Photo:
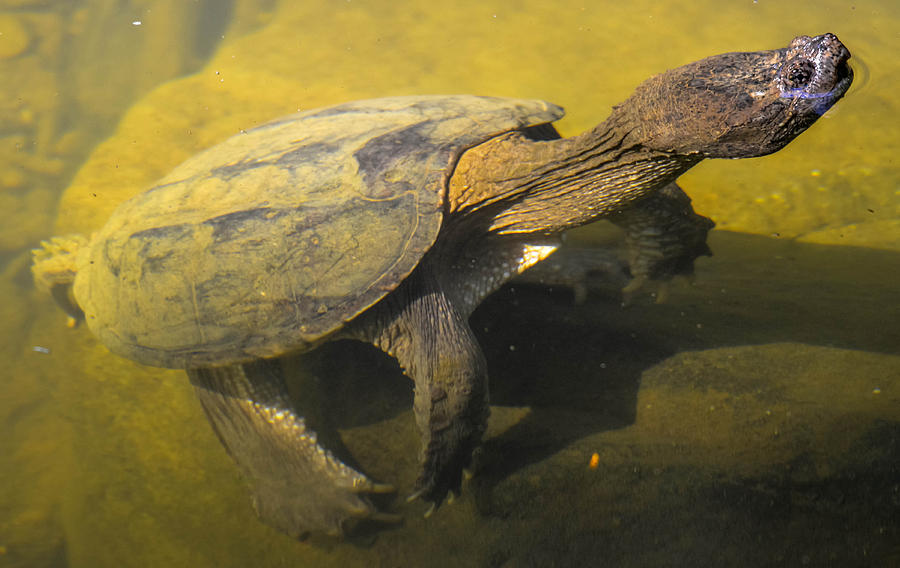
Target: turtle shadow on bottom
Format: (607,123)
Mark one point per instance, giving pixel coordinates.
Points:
(578,368)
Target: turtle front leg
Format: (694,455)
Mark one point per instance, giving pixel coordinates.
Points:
(664,236)
(297,486)
(433,343)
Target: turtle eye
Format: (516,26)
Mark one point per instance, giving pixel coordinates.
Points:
(797,74)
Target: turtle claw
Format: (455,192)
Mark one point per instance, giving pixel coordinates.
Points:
(415,495)
(436,491)
(434,503)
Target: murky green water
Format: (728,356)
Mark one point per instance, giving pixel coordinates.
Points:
(752,420)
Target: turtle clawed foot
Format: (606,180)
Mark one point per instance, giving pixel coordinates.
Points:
(437,488)
(326,505)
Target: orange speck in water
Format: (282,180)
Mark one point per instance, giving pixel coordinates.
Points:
(595,461)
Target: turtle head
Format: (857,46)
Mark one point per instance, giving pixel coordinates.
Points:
(740,105)
(54,269)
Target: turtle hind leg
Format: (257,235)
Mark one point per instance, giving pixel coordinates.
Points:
(297,486)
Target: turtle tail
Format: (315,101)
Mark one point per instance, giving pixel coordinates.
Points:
(54,270)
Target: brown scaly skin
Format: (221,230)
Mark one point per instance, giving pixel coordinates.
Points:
(507,202)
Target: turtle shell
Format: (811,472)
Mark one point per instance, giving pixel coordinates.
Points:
(270,241)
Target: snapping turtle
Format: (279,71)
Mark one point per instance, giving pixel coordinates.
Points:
(388,221)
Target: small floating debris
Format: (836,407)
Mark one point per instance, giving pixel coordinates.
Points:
(40,349)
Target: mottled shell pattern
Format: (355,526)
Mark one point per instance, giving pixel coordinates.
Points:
(270,241)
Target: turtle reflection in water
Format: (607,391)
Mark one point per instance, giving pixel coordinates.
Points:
(388,221)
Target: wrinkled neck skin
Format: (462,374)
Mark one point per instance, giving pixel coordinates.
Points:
(546,187)
(733,105)
(550,186)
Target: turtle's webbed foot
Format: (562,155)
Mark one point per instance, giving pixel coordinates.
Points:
(298,487)
(298,501)
(440,476)
(451,428)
